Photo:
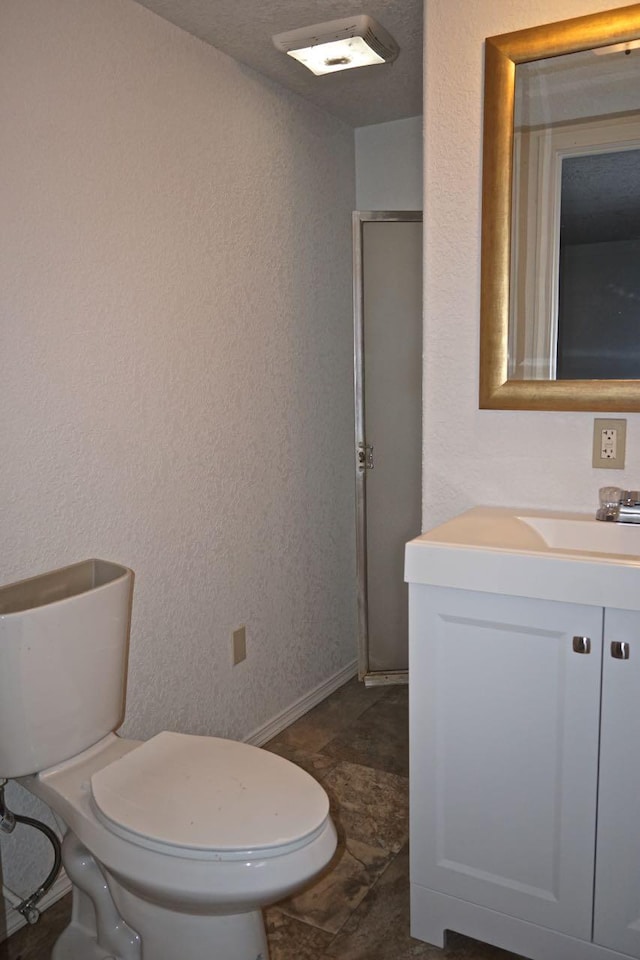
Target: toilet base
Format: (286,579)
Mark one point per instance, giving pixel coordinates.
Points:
(96,931)
(75,943)
(108,922)
(230,938)
(168,934)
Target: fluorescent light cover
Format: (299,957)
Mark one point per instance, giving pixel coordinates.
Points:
(339,44)
(337,55)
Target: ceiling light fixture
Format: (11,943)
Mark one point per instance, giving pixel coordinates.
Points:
(339,44)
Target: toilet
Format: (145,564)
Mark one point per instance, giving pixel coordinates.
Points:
(173,845)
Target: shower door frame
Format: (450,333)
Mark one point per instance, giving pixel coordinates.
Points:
(359,218)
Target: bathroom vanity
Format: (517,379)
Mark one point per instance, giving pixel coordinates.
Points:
(525,733)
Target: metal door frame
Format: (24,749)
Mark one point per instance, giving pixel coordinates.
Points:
(359,218)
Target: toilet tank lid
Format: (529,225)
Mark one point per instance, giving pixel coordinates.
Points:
(207,794)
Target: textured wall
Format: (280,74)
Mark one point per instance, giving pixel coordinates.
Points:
(389,165)
(474,456)
(175,370)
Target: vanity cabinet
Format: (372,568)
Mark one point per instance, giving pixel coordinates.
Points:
(525,773)
(616,916)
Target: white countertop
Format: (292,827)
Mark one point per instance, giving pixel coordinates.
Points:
(546,554)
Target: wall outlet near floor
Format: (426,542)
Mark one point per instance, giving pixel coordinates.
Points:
(609,443)
(239,645)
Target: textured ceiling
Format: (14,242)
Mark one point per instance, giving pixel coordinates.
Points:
(243,29)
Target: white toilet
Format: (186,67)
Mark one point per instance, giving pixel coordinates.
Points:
(173,845)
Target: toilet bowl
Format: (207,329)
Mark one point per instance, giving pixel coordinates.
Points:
(173,845)
(187,832)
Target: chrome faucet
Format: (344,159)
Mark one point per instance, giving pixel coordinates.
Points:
(619,506)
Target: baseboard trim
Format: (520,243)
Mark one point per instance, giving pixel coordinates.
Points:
(382,678)
(14,921)
(282,720)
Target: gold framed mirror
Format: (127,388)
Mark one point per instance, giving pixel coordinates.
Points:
(499,387)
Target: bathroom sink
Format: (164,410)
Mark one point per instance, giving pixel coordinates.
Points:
(549,555)
(587,535)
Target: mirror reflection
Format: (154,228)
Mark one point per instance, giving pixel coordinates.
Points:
(575,242)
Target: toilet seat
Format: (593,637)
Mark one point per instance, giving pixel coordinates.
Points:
(208,798)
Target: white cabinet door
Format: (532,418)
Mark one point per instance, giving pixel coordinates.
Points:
(504,753)
(617,889)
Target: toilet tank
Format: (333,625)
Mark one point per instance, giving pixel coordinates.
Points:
(63,662)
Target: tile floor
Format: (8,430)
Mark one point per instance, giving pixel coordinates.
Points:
(355,744)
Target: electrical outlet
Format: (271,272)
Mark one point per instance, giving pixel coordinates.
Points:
(609,443)
(239,645)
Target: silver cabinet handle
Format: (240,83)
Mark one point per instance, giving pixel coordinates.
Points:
(620,650)
(581,645)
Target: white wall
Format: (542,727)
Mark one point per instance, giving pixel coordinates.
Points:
(175,369)
(389,165)
(474,456)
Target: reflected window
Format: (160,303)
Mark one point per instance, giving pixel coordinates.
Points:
(599,267)
(575,267)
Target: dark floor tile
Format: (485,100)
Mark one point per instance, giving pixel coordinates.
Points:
(36,942)
(329,901)
(317,764)
(329,719)
(291,940)
(369,805)
(397,693)
(379,737)
(379,928)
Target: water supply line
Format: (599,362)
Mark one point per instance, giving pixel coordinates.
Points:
(8,821)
